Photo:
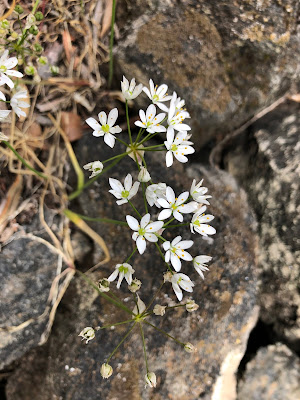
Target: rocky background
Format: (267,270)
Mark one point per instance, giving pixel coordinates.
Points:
(229,60)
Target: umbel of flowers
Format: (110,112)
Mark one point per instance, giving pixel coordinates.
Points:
(167,119)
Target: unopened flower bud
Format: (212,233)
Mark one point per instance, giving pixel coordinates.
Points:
(14,35)
(38,48)
(144,175)
(135,285)
(30,70)
(159,310)
(54,70)
(43,60)
(30,20)
(191,306)
(87,334)
(34,30)
(189,348)
(19,9)
(4,24)
(103,285)
(106,370)
(168,276)
(39,16)
(151,379)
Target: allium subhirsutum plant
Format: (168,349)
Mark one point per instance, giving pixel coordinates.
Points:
(162,206)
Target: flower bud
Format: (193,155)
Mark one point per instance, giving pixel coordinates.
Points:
(159,310)
(19,9)
(144,175)
(168,276)
(135,285)
(34,30)
(103,285)
(39,16)
(191,306)
(150,378)
(54,70)
(43,60)
(30,20)
(106,370)
(4,24)
(30,70)
(14,35)
(87,334)
(95,167)
(38,48)
(189,348)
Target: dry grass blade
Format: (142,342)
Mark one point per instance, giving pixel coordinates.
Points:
(11,202)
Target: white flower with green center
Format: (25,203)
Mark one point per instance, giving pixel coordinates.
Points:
(176,117)
(179,147)
(154,192)
(144,230)
(181,281)
(106,127)
(175,252)
(150,121)
(124,270)
(130,91)
(95,167)
(17,103)
(6,65)
(123,193)
(200,264)
(198,192)
(175,206)
(158,95)
(199,223)
(87,334)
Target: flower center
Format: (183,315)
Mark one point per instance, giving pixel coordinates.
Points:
(123,269)
(197,223)
(155,97)
(141,231)
(179,280)
(174,207)
(105,128)
(3,68)
(174,147)
(125,194)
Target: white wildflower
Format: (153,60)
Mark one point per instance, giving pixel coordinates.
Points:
(191,306)
(139,308)
(155,191)
(175,206)
(123,193)
(135,285)
(130,91)
(17,103)
(158,95)
(190,348)
(159,310)
(95,167)
(198,191)
(106,127)
(178,147)
(181,281)
(144,230)
(87,334)
(106,370)
(150,378)
(175,117)
(124,271)
(144,175)
(199,223)
(175,251)
(199,263)
(103,285)
(179,104)
(150,121)
(6,65)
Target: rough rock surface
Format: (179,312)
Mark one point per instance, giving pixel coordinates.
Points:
(65,368)
(274,374)
(269,168)
(226,58)
(26,273)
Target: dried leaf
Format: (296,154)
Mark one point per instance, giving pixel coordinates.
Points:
(72,125)
(69,49)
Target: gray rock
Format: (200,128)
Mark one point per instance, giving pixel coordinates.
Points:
(66,368)
(267,165)
(227,59)
(274,374)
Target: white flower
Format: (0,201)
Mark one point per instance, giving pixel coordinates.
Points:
(178,147)
(103,285)
(130,91)
(190,348)
(144,175)
(30,20)
(150,378)
(139,308)
(95,167)
(159,310)
(6,65)
(87,334)
(16,102)
(155,191)
(191,306)
(124,271)
(175,206)
(179,104)
(107,128)
(175,251)
(199,223)
(200,264)
(4,115)
(181,281)
(3,137)
(144,230)
(106,370)
(198,192)
(150,121)
(176,117)
(123,193)
(158,95)
(135,285)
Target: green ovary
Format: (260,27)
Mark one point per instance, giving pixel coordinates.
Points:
(174,147)
(3,68)
(155,97)
(105,128)
(141,232)
(125,194)
(123,269)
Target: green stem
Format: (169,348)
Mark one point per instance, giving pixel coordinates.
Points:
(138,136)
(166,334)
(124,338)
(167,223)
(175,226)
(111,42)
(122,141)
(134,250)
(128,122)
(163,257)
(154,297)
(40,174)
(36,4)
(161,238)
(153,147)
(144,347)
(144,195)
(117,323)
(136,211)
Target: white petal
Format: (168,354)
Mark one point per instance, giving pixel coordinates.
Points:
(102,117)
(182,198)
(134,190)
(132,222)
(150,113)
(145,220)
(141,244)
(113,276)
(120,202)
(178,216)
(180,157)
(115,129)
(188,208)
(167,256)
(154,226)
(169,158)
(116,185)
(151,237)
(177,291)
(164,203)
(166,245)
(176,240)
(175,261)
(186,244)
(112,117)
(170,134)
(128,182)
(109,139)
(170,195)
(164,214)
